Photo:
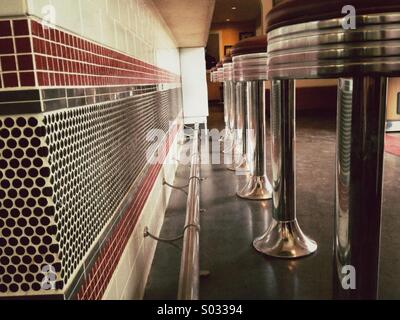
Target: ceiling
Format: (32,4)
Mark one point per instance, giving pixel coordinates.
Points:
(246,10)
(188,20)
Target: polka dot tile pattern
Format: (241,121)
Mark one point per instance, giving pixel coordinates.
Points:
(63,175)
(27,212)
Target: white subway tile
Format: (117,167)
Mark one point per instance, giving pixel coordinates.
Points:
(12,8)
(131,26)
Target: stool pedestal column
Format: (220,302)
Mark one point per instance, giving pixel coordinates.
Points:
(284,238)
(233,126)
(359,175)
(228,136)
(241,103)
(258,186)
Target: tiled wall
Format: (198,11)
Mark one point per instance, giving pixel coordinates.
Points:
(31,53)
(76,103)
(130,26)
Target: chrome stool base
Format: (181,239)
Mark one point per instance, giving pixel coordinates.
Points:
(227,143)
(237,158)
(285,240)
(243,165)
(257,188)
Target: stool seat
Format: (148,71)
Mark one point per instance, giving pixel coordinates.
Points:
(250,45)
(227,59)
(292,12)
(250,59)
(228,68)
(213,74)
(306,39)
(219,73)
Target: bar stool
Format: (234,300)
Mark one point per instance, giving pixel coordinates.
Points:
(230,95)
(212,75)
(249,72)
(312,40)
(219,77)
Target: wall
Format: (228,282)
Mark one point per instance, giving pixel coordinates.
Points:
(266,6)
(393,90)
(77,102)
(13,8)
(130,26)
(229,36)
(229,33)
(194,85)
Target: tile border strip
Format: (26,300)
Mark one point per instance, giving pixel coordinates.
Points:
(33,54)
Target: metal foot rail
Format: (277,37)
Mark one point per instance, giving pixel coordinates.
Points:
(190,271)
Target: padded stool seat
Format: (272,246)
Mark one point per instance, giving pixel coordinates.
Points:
(292,12)
(219,72)
(250,45)
(250,59)
(306,39)
(228,68)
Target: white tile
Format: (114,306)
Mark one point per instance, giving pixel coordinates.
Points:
(37,7)
(67,14)
(134,288)
(122,273)
(12,8)
(111,292)
(108,30)
(91,20)
(131,26)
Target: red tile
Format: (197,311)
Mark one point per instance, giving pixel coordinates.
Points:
(38,46)
(6,46)
(53,34)
(63,79)
(43,79)
(34,27)
(50,62)
(65,51)
(47,46)
(27,79)
(8,63)
(58,79)
(5,29)
(53,49)
(25,62)
(23,45)
(41,63)
(46,33)
(21,27)
(70,66)
(52,79)
(111,68)
(10,80)
(58,37)
(63,36)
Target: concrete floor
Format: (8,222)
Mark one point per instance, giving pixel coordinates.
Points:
(230,224)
